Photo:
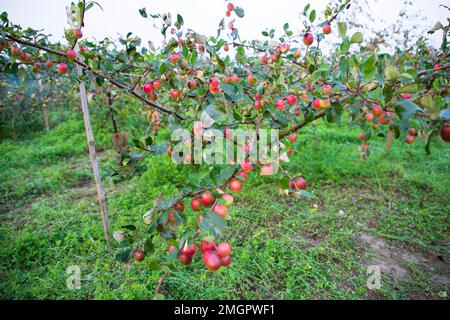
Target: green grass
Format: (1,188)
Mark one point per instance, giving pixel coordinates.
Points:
(284,248)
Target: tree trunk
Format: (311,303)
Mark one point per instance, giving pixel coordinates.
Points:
(45,111)
(44,107)
(390,134)
(91,146)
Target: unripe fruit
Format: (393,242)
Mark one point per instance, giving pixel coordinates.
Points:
(297,54)
(228,199)
(221,210)
(62,68)
(148,88)
(78,34)
(192,85)
(139,255)
(409,139)
(383,120)
(214,82)
(445,132)
(246,166)
(308,39)
(195,204)
(156,85)
(211,261)
(225,47)
(280,104)
(405,96)
(223,249)
(175,94)
(214,90)
(235,185)
(225,261)
(174,58)
(377,111)
(298,183)
(267,170)
(275,57)
(189,251)
(243,174)
(234,78)
(326,29)
(412,132)
(207,199)
(48,64)
(327,89)
(207,246)
(293,137)
(15,51)
(324,103)
(185,259)
(251,79)
(290,99)
(71,54)
(316,104)
(179,206)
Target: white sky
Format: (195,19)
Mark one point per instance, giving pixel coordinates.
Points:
(203,16)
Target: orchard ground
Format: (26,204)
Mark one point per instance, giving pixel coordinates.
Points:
(391,210)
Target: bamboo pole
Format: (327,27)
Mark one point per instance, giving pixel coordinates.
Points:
(91,145)
(92,154)
(44,107)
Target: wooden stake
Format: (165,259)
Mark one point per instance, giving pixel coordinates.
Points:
(44,107)
(390,134)
(93,155)
(91,145)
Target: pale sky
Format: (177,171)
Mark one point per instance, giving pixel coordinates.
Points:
(203,16)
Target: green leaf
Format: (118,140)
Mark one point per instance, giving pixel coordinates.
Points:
(148,246)
(143,12)
(410,88)
(342,28)
(445,114)
(368,68)
(356,38)
(312,16)
(213,223)
(124,255)
(306,194)
(406,108)
(239,12)
(345,46)
(179,22)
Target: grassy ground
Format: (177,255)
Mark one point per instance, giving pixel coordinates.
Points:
(391,210)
